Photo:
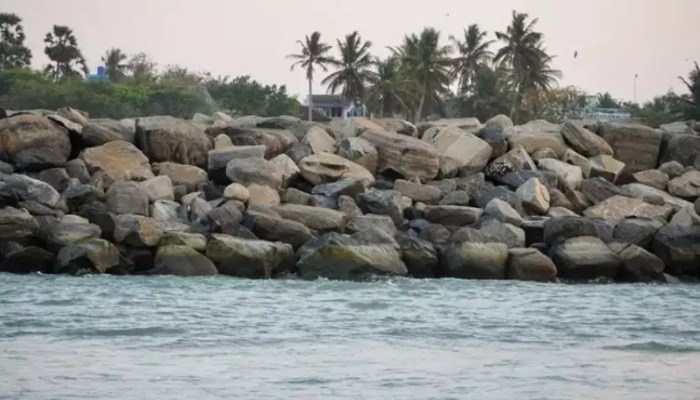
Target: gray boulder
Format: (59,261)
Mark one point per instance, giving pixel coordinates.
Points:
(420,257)
(30,189)
(452,215)
(530,265)
(638,265)
(636,146)
(94,256)
(359,151)
(679,249)
(637,231)
(247,171)
(181,261)
(164,138)
(28,260)
(255,259)
(383,202)
(318,219)
(33,143)
(475,261)
(275,229)
(418,192)
(683,149)
(219,159)
(585,258)
(584,141)
(16,224)
(127,198)
(56,177)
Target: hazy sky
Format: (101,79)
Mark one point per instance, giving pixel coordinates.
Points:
(656,39)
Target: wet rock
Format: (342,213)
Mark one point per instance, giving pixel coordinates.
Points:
(182,261)
(127,198)
(636,146)
(33,143)
(94,256)
(247,171)
(255,259)
(318,219)
(584,141)
(28,260)
(418,192)
(407,156)
(637,231)
(585,258)
(119,160)
(164,138)
(188,175)
(420,257)
(530,265)
(638,265)
(383,202)
(218,160)
(534,196)
(679,249)
(452,215)
(618,208)
(606,167)
(475,261)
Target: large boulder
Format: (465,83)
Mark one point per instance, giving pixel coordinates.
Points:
(255,259)
(637,231)
(99,131)
(79,195)
(683,149)
(410,157)
(56,177)
(219,159)
(158,188)
(120,160)
(369,222)
(181,261)
(469,124)
(31,142)
(397,125)
(452,215)
(475,260)
(94,256)
(534,196)
(651,177)
(247,171)
(187,175)
(570,176)
(503,212)
(599,189)
(537,135)
(275,229)
(562,228)
(530,265)
(359,151)
(327,167)
(274,141)
(641,192)
(29,189)
(16,224)
(165,210)
(686,185)
(139,231)
(164,138)
(28,260)
(70,230)
(606,167)
(316,218)
(636,146)
(319,140)
(679,249)
(287,167)
(618,208)
(574,158)
(383,202)
(420,256)
(585,258)
(335,256)
(418,192)
(127,198)
(499,121)
(195,241)
(262,195)
(461,151)
(584,141)
(638,265)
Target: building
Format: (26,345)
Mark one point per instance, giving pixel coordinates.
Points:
(101,75)
(333,107)
(592,111)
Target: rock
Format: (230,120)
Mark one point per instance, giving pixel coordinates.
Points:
(686,185)
(496,138)
(335,256)
(28,260)
(536,135)
(407,156)
(56,177)
(119,160)
(446,186)
(570,176)
(71,230)
(677,128)
(517,178)
(641,191)
(255,259)
(29,189)
(158,188)
(534,196)
(475,261)
(683,149)
(290,171)
(326,167)
(218,160)
(618,208)
(502,211)
(515,160)
(396,125)
(472,183)
(637,231)
(383,202)
(6,168)
(99,131)
(456,198)
(360,152)
(469,125)
(37,209)
(671,168)
(165,210)
(127,198)
(638,265)
(558,199)
(679,249)
(318,219)
(349,207)
(195,241)
(164,138)
(492,231)
(33,143)
(418,192)
(636,146)
(558,229)
(319,140)
(544,153)
(236,191)
(263,195)
(247,171)
(585,258)
(578,201)
(556,212)
(282,230)
(499,121)
(452,215)
(139,231)
(697,206)
(482,197)
(181,261)
(298,151)
(460,150)
(199,210)
(686,217)
(651,177)
(530,265)
(599,189)
(225,214)
(606,167)
(370,221)
(332,191)
(584,141)
(573,158)
(73,115)
(296,196)
(94,256)
(188,175)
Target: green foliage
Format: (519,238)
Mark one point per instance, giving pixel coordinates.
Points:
(353,72)
(13,52)
(660,110)
(67,61)
(115,64)
(691,101)
(392,91)
(605,100)
(490,95)
(245,96)
(473,54)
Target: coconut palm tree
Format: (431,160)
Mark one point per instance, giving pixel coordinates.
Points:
(62,49)
(428,63)
(13,52)
(692,109)
(354,71)
(473,52)
(525,56)
(314,53)
(392,91)
(115,64)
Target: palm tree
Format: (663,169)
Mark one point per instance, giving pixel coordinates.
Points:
(692,109)
(313,54)
(353,66)
(391,91)
(427,62)
(115,64)
(473,52)
(526,57)
(13,52)
(62,49)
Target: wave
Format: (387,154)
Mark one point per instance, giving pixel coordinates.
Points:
(136,332)
(655,347)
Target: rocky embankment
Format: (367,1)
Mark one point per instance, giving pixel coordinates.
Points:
(261,197)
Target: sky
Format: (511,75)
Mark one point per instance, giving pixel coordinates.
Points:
(615,39)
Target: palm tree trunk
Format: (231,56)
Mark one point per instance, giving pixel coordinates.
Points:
(311,103)
(421,103)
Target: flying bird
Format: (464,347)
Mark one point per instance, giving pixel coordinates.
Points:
(575,54)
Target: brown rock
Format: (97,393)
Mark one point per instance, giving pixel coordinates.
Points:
(584,141)
(164,138)
(32,142)
(326,167)
(120,160)
(636,146)
(618,208)
(188,175)
(408,156)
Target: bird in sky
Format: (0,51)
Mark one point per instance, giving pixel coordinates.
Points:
(575,54)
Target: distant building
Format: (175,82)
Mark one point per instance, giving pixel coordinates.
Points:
(101,75)
(592,111)
(333,107)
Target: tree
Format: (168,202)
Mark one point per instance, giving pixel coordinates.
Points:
(692,100)
(353,69)
(178,75)
(115,64)
(427,62)
(62,49)
(143,69)
(13,52)
(243,95)
(314,53)
(392,91)
(605,100)
(473,53)
(527,59)
(490,94)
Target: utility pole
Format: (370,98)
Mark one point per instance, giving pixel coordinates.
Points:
(635,88)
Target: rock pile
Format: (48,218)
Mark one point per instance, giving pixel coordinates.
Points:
(262,197)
